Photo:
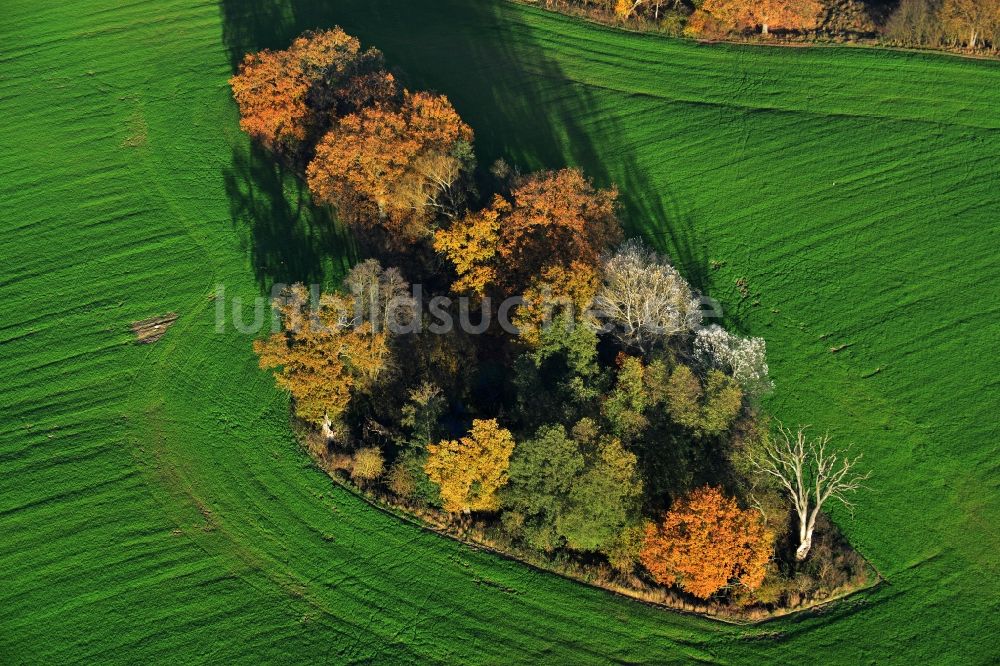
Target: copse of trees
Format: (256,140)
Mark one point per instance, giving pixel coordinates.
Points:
(961,24)
(607,429)
(288,98)
(731,16)
(972,24)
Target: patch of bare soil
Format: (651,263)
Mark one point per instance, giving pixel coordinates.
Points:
(150,330)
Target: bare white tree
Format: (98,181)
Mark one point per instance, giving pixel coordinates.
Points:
(811,474)
(381,296)
(744,359)
(643,298)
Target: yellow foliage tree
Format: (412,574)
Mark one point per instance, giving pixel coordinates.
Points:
(471,246)
(558,291)
(367,465)
(321,357)
(471,470)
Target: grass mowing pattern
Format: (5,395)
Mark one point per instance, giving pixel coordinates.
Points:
(152,502)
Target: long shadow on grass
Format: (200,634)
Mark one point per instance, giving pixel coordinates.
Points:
(288,239)
(505,84)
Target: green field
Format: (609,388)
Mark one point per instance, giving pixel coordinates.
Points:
(153,504)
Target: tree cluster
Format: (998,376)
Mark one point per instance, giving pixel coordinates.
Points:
(972,24)
(962,24)
(608,426)
(387,159)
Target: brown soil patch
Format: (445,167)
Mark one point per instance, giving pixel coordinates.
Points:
(151,330)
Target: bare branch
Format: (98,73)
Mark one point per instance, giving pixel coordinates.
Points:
(811,473)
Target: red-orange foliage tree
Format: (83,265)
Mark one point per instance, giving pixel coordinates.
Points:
(707,542)
(555,218)
(392,167)
(287,97)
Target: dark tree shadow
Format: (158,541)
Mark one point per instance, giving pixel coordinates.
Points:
(287,238)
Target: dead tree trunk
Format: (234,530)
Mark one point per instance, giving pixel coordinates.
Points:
(810,475)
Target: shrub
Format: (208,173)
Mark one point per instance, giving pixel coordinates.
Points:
(424,491)
(368,464)
(623,554)
(401,482)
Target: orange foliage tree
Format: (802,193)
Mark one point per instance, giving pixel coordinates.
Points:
(322,356)
(706,542)
(471,470)
(286,97)
(558,217)
(555,218)
(393,167)
(765,14)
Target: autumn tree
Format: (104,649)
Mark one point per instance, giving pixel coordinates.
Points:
(471,244)
(367,465)
(323,356)
(705,543)
(765,14)
(553,218)
(470,470)
(971,21)
(810,473)
(559,291)
(643,299)
(288,97)
(625,9)
(408,478)
(557,218)
(395,168)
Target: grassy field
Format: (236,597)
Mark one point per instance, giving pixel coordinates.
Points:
(153,505)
